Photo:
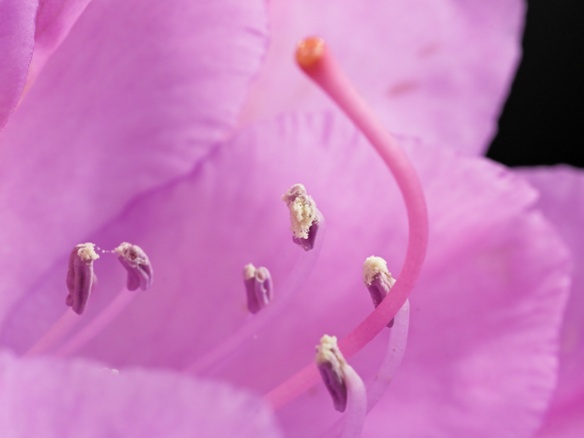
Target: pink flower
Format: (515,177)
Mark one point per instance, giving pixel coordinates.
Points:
(127,134)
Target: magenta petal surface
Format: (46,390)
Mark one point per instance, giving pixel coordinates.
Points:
(485,314)
(561,199)
(46,399)
(439,70)
(135,96)
(53,22)
(16,47)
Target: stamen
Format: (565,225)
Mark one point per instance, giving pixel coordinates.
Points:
(317,62)
(396,348)
(253,327)
(96,325)
(136,262)
(330,363)
(356,404)
(390,364)
(344,384)
(80,276)
(258,286)
(378,280)
(140,274)
(80,280)
(304,216)
(55,334)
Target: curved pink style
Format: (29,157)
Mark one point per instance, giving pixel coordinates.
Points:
(315,59)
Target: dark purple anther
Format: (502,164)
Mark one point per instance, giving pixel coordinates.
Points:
(80,276)
(136,262)
(330,363)
(378,280)
(304,216)
(258,286)
(308,243)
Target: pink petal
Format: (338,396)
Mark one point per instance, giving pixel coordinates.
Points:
(135,96)
(561,199)
(488,348)
(485,315)
(44,398)
(16,46)
(54,20)
(439,70)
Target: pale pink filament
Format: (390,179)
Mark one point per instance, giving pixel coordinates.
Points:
(394,354)
(356,411)
(96,325)
(317,62)
(55,334)
(396,348)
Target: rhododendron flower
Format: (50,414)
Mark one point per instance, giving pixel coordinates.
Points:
(130,138)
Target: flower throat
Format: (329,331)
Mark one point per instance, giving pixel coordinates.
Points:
(308,225)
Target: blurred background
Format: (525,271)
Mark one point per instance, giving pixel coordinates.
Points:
(543,120)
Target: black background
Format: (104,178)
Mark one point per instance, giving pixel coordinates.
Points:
(543,119)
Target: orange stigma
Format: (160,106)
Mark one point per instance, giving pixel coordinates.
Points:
(309,51)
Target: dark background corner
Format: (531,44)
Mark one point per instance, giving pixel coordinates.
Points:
(543,119)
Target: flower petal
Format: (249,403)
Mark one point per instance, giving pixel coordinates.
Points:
(16,46)
(485,345)
(43,398)
(54,20)
(439,70)
(485,314)
(135,96)
(561,199)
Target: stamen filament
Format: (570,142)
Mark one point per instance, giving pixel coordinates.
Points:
(96,325)
(393,357)
(396,348)
(356,404)
(254,325)
(318,63)
(55,334)
(345,387)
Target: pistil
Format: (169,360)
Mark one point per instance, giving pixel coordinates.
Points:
(318,63)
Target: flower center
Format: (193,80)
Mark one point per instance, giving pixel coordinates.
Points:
(307,222)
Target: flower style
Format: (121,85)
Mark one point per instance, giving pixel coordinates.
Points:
(145,152)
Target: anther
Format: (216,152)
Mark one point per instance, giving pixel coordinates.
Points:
(331,363)
(378,280)
(136,262)
(258,286)
(80,276)
(304,216)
